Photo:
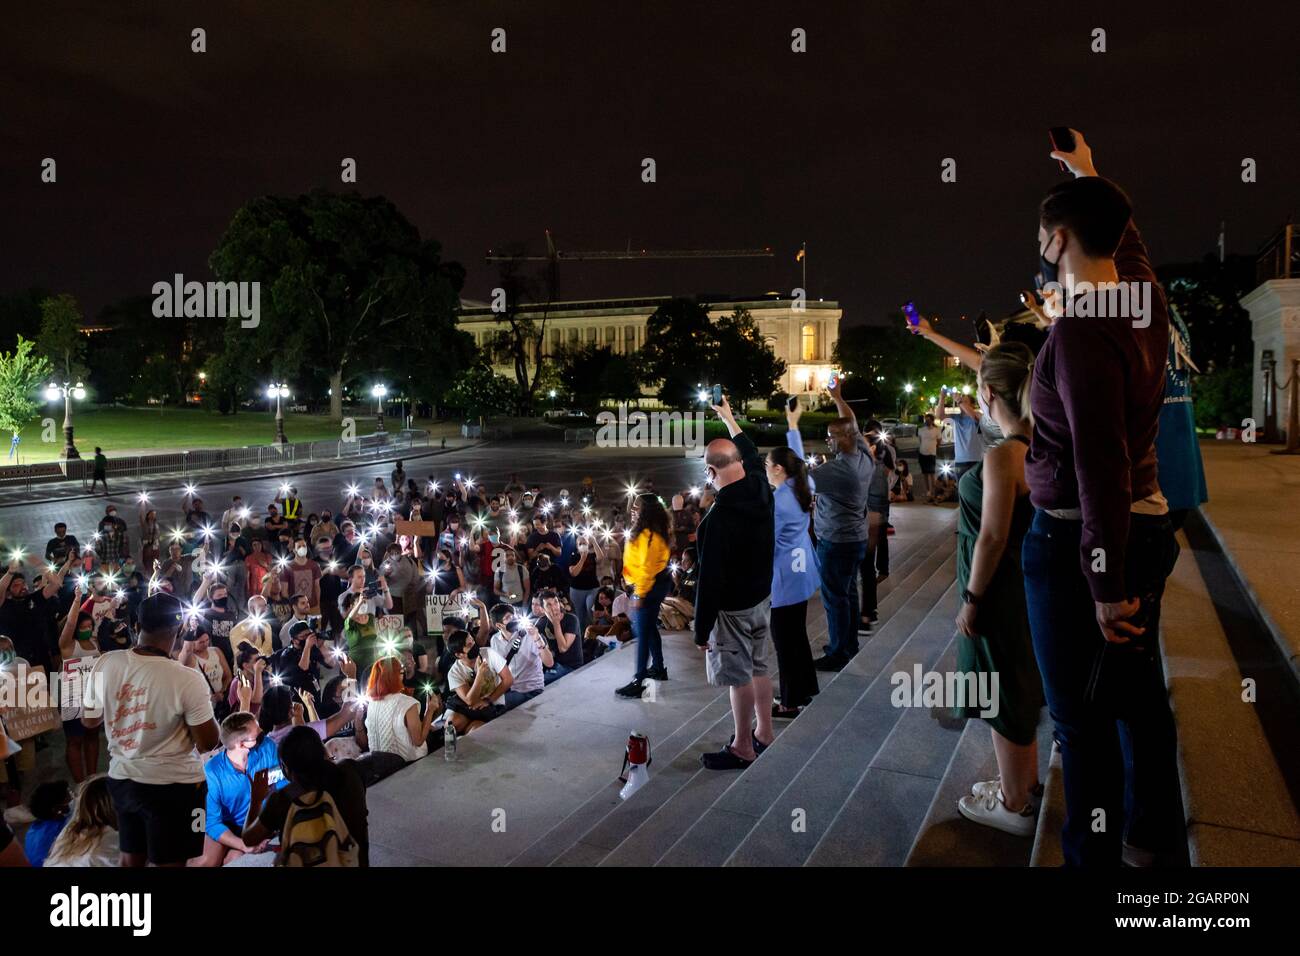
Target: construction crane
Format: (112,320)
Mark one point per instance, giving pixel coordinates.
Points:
(555,256)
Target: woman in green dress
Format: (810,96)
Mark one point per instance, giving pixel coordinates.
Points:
(994,643)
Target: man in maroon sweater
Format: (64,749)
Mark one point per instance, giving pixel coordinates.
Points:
(1101,546)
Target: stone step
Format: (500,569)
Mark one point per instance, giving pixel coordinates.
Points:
(876,737)
(1051,816)
(664,755)
(717,834)
(946,838)
(631,832)
(1237,759)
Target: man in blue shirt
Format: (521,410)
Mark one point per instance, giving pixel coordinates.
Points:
(244,754)
(968,442)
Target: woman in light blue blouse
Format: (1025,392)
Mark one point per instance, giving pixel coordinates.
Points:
(794,571)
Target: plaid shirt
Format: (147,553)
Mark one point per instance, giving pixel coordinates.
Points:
(113,546)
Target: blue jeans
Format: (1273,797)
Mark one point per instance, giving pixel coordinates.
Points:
(838,565)
(1108,702)
(645,627)
(582,599)
(513,698)
(554,673)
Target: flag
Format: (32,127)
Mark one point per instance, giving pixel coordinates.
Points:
(798,256)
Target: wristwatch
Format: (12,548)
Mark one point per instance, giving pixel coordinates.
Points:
(970,598)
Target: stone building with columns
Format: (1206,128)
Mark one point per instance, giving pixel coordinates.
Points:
(1274,307)
(801,334)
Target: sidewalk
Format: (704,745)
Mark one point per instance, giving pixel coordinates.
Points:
(76,488)
(1254,511)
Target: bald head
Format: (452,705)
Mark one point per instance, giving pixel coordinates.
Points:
(722,459)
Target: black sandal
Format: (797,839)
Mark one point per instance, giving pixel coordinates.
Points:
(724,759)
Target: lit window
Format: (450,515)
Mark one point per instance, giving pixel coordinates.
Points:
(809,350)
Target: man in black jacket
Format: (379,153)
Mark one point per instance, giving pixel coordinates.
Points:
(733,595)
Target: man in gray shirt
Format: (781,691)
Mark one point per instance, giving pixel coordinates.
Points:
(840,520)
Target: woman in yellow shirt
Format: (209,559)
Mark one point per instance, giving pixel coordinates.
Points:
(645,568)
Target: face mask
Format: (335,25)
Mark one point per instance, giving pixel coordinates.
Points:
(84,634)
(988,426)
(1048,272)
(367,562)
(301,552)
(471,653)
(112,514)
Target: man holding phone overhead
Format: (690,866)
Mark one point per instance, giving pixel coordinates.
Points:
(840,520)
(1101,545)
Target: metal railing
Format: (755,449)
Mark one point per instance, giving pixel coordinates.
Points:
(582,436)
(1279,257)
(184,463)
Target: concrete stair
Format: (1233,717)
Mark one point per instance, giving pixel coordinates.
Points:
(609,831)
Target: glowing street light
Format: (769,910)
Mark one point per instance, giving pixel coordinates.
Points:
(53,392)
(379,391)
(279,392)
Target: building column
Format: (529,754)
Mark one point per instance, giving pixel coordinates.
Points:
(1274,309)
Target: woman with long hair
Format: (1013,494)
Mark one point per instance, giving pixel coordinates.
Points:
(645,567)
(90,836)
(994,645)
(794,572)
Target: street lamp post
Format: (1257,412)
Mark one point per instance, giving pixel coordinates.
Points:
(53,393)
(379,391)
(279,391)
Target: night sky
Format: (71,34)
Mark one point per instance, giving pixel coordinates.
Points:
(755,145)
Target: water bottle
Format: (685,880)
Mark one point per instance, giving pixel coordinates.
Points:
(449,740)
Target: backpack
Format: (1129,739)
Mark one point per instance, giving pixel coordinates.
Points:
(671,618)
(315,834)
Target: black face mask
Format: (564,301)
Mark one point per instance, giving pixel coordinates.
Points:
(471,652)
(1048,272)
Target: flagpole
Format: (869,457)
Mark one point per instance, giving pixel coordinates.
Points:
(804,260)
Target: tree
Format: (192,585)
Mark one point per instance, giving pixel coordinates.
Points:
(882,359)
(744,363)
(520,334)
(22,375)
(679,352)
(60,338)
(345,280)
(1207,295)
(479,391)
(592,374)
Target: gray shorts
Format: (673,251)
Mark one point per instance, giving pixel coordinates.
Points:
(738,646)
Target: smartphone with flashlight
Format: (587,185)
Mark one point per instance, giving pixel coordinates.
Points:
(1062,141)
(913,316)
(715,393)
(792,403)
(832,380)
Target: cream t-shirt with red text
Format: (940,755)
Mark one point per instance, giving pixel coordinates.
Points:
(148,703)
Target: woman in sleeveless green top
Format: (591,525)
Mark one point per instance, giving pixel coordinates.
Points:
(994,642)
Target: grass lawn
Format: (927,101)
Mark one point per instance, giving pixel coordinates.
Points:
(119,430)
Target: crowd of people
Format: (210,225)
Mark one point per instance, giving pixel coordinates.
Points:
(258,670)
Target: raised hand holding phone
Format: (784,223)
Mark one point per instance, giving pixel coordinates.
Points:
(1071,151)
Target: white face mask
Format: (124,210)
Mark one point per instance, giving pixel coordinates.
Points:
(301,552)
(988,426)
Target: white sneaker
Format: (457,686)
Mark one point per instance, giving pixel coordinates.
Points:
(985,787)
(989,810)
